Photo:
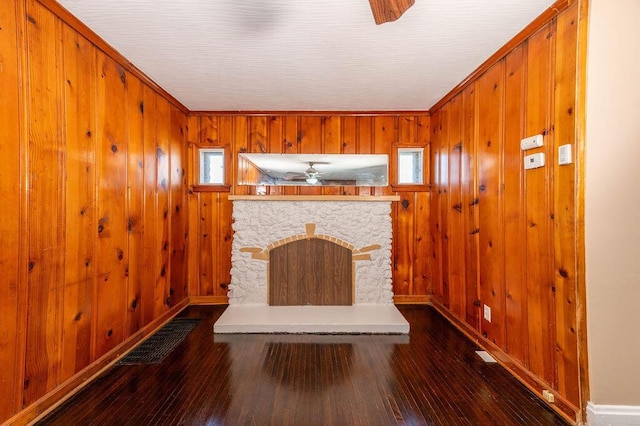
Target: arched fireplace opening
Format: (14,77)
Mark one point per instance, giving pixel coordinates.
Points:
(310,271)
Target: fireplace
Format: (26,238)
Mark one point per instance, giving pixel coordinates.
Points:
(312,253)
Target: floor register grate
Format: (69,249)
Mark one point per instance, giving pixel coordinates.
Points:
(157,347)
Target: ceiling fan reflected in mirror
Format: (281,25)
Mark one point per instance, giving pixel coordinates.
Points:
(389,10)
(311,175)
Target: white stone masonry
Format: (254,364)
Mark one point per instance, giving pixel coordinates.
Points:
(361,224)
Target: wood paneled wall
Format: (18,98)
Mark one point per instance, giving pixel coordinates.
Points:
(505,237)
(210,211)
(93,185)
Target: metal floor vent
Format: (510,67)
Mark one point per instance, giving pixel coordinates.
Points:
(485,356)
(156,348)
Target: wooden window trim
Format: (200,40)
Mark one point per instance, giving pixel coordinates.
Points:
(393,172)
(210,188)
(195,185)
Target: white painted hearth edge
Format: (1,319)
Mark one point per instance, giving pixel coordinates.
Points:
(361,224)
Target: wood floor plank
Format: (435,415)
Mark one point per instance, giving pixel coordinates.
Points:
(431,377)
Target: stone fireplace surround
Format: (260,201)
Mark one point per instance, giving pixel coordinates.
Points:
(362,224)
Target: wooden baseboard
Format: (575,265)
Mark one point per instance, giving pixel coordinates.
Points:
(400,299)
(70,387)
(563,407)
(208,300)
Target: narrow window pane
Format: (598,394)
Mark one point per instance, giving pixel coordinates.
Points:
(410,162)
(212,166)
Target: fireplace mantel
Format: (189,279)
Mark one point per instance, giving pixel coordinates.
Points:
(314,198)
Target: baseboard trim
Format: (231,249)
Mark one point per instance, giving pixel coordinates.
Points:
(612,415)
(208,300)
(73,385)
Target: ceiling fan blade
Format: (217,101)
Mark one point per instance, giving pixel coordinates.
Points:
(389,10)
(295,176)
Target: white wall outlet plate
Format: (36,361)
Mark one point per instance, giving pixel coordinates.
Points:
(487,313)
(564,154)
(531,142)
(534,161)
(548,396)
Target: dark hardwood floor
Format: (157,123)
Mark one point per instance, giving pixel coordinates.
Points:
(432,377)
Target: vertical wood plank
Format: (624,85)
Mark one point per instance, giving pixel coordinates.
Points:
(364,142)
(178,245)
(443,192)
(385,134)
(407,130)
(421,273)
(258,134)
(423,137)
(469,175)
(275,143)
(422,284)
(208,242)
(331,145)
(208,130)
(310,143)
(194,223)
(537,194)
(514,217)
(11,242)
(348,145)
(224,241)
(222,221)
(291,143)
(235,129)
(457,288)
(46,238)
(150,237)
(112,246)
(564,201)
(435,264)
(490,195)
(135,202)
(403,244)
(163,217)
(258,140)
(79,129)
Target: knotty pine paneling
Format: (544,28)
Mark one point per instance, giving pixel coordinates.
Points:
(565,207)
(490,195)
(310,133)
(435,210)
(538,210)
(469,183)
(80,251)
(46,220)
(135,202)
(455,232)
(12,231)
(519,228)
(86,226)
(111,162)
(514,219)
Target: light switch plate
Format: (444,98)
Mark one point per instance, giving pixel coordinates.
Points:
(535,141)
(487,313)
(564,154)
(534,161)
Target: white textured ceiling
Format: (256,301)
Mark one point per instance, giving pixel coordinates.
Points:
(296,55)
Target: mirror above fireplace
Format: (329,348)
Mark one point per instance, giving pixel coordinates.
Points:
(313,169)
